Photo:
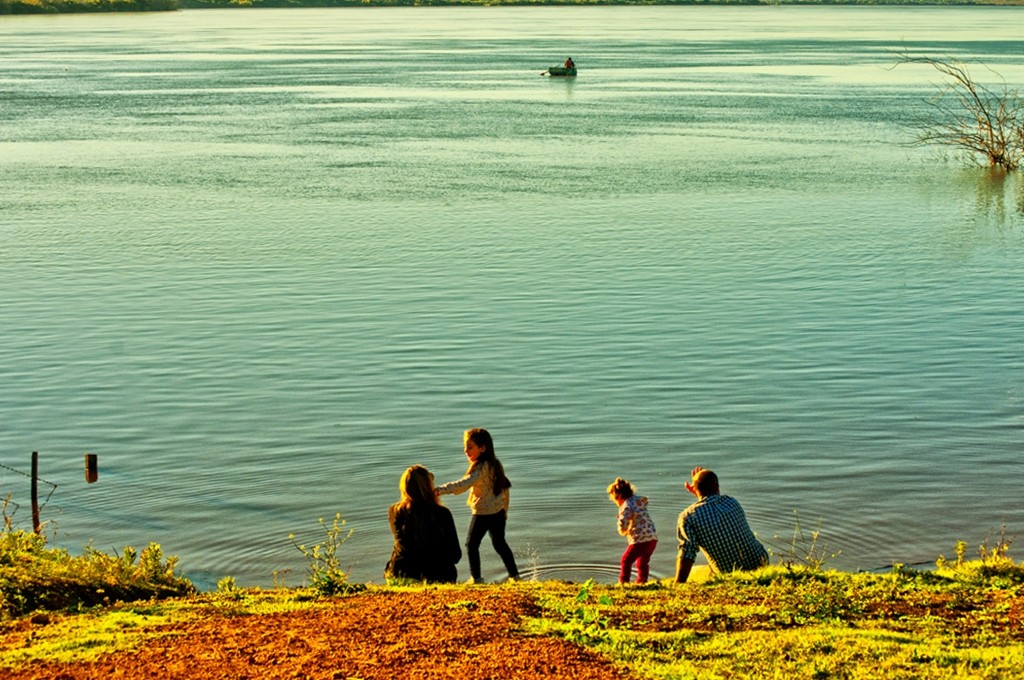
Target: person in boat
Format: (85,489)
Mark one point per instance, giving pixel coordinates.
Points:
(715,524)
(426,540)
(569,63)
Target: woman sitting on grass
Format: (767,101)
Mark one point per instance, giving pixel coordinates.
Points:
(426,541)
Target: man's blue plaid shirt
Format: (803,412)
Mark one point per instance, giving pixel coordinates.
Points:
(717,525)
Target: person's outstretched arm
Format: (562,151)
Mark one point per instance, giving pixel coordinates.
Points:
(459,485)
(683,567)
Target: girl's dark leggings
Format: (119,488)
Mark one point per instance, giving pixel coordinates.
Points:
(495,525)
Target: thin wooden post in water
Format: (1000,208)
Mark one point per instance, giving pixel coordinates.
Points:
(35,492)
(91,471)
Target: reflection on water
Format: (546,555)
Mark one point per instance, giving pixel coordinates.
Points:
(998,194)
(991,210)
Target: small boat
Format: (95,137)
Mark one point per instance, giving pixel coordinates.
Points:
(561,71)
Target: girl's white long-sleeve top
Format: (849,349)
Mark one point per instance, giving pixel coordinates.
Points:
(480,484)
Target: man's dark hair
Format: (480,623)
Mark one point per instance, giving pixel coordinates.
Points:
(706,483)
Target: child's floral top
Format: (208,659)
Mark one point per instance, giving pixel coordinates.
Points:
(635,521)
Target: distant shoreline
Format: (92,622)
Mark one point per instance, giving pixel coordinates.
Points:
(8,7)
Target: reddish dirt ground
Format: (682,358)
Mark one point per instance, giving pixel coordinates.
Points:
(470,634)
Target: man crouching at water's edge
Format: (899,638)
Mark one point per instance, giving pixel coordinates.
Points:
(715,524)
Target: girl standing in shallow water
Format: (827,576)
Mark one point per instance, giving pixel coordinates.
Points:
(636,525)
(488,499)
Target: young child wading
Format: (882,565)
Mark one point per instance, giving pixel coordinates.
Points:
(488,498)
(636,525)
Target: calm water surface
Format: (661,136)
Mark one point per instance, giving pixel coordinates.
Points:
(261,261)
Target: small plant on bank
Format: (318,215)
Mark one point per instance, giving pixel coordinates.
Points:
(803,549)
(8,517)
(994,566)
(279,577)
(967,115)
(325,573)
(583,622)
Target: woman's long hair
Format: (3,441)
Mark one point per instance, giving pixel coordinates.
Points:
(482,438)
(417,487)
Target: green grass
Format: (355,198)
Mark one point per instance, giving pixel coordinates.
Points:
(73,637)
(963,619)
(80,637)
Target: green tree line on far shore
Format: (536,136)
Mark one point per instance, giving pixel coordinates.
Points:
(73,6)
(79,6)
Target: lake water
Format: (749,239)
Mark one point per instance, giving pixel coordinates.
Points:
(261,261)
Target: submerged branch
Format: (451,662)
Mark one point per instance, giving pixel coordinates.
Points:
(968,115)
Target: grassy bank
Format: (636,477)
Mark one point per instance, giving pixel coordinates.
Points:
(965,618)
(777,623)
(35,577)
(966,621)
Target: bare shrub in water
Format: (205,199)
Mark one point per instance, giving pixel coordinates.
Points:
(967,115)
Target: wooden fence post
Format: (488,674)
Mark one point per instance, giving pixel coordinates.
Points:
(35,492)
(91,471)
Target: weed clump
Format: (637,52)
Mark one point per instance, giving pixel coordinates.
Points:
(34,576)
(994,567)
(326,576)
